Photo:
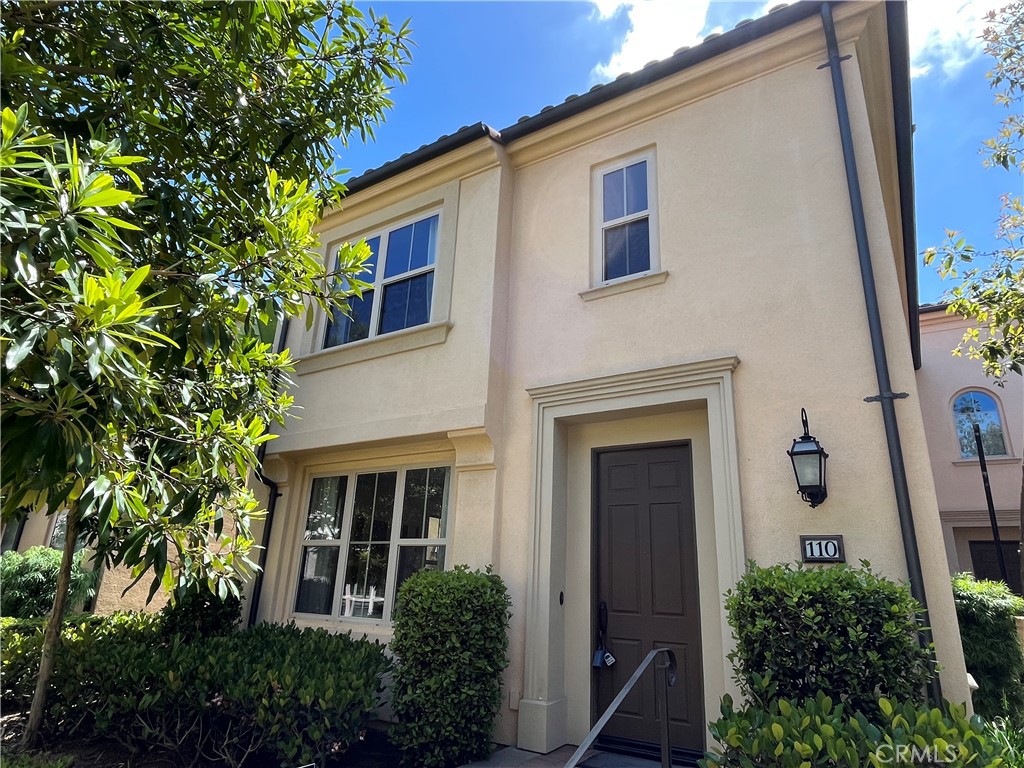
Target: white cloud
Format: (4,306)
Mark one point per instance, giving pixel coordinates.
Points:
(945,34)
(657,28)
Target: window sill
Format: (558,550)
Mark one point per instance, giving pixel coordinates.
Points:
(370,349)
(627,284)
(374,629)
(988,460)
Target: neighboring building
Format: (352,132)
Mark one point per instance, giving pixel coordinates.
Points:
(955,394)
(112,591)
(584,358)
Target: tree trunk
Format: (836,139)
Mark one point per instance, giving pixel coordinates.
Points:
(51,638)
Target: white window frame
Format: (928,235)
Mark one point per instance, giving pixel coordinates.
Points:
(1007,448)
(345,538)
(380,283)
(599,225)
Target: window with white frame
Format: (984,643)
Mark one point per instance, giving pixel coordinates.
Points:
(977,407)
(401,273)
(365,534)
(625,235)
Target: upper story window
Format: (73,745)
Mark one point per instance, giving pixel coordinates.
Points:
(625,216)
(401,271)
(367,533)
(977,407)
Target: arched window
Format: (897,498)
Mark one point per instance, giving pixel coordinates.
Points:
(976,407)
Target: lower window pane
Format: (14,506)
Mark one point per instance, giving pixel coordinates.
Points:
(412,559)
(615,252)
(342,329)
(639,247)
(406,303)
(316,580)
(365,579)
(627,249)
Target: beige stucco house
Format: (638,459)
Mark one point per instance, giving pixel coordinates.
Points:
(955,393)
(584,359)
(585,355)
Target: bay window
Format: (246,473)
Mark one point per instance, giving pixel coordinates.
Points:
(365,534)
(401,275)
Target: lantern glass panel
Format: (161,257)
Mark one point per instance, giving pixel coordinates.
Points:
(808,470)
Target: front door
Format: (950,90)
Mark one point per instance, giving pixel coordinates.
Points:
(646,561)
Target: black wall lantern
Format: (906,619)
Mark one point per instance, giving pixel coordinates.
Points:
(809,465)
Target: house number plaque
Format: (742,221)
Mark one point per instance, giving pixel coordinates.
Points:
(822,549)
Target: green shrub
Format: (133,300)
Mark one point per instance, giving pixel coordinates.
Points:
(992,648)
(843,630)
(296,696)
(198,612)
(30,582)
(451,646)
(34,760)
(785,734)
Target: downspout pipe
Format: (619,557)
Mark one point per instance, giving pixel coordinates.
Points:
(886,397)
(268,523)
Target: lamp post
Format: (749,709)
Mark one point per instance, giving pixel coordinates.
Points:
(808,459)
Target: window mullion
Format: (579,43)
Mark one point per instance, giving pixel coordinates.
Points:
(407,275)
(644,214)
(343,542)
(378,284)
(389,582)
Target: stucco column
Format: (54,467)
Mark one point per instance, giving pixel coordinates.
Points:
(472,538)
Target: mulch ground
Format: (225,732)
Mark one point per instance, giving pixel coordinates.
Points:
(375,751)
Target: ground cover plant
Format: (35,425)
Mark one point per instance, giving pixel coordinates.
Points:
(992,648)
(451,645)
(279,693)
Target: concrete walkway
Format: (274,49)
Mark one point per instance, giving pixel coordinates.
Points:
(510,757)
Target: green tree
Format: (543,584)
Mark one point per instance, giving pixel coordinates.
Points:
(992,294)
(163,168)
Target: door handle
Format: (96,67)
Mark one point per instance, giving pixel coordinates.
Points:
(602,617)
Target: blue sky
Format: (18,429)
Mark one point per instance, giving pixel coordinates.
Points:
(497,61)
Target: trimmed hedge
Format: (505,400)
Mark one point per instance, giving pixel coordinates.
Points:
(846,631)
(451,646)
(992,648)
(787,734)
(198,612)
(293,695)
(30,582)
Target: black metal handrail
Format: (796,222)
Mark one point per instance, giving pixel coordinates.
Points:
(668,669)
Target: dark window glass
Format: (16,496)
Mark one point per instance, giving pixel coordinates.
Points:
(614,195)
(423,238)
(374,507)
(638,246)
(425,504)
(406,303)
(636,187)
(316,580)
(343,328)
(365,580)
(326,502)
(615,264)
(399,250)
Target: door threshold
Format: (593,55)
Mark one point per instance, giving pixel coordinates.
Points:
(614,752)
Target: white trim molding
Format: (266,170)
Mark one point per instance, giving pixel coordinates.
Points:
(703,383)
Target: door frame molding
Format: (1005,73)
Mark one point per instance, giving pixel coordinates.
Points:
(543,710)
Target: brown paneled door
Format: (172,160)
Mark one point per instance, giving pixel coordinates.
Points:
(646,563)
